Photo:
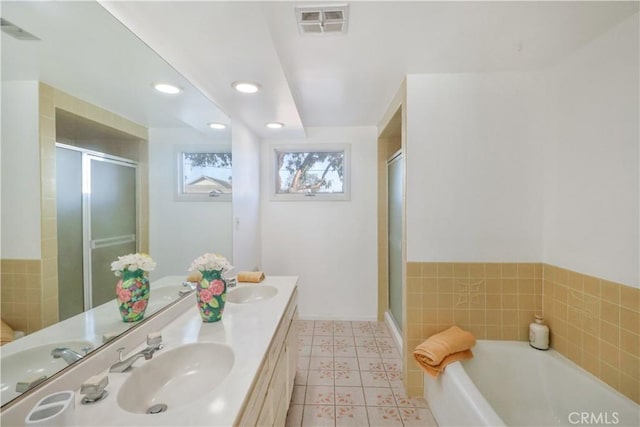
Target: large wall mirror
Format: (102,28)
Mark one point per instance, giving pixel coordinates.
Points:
(78,106)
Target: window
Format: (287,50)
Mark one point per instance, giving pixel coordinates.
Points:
(319,172)
(204,173)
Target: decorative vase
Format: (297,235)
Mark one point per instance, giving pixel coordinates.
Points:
(132,292)
(211,295)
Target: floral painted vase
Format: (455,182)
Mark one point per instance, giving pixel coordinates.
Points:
(211,295)
(132,292)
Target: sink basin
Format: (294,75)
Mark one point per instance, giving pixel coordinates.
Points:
(175,377)
(31,363)
(251,293)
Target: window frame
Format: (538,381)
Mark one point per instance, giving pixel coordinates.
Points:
(178,152)
(311,148)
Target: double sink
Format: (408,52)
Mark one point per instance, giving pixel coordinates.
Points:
(176,377)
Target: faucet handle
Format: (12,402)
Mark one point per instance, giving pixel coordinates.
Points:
(154,339)
(93,388)
(120,350)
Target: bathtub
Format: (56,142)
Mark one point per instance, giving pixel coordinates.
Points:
(508,383)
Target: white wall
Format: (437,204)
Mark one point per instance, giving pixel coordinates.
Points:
(20,171)
(332,246)
(246,198)
(591,160)
(182,231)
(538,166)
(474,190)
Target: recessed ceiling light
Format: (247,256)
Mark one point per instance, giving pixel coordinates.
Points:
(167,88)
(275,125)
(217,125)
(245,87)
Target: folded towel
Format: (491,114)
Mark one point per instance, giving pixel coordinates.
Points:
(251,276)
(434,371)
(194,277)
(6,333)
(443,348)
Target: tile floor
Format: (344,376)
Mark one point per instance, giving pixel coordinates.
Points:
(350,374)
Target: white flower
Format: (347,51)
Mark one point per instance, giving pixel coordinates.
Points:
(210,261)
(133,262)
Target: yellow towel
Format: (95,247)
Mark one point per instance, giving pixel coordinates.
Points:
(251,276)
(6,333)
(194,277)
(443,348)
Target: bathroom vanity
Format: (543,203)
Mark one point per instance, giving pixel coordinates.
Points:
(238,371)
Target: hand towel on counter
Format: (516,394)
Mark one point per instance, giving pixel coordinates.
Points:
(443,348)
(194,277)
(250,276)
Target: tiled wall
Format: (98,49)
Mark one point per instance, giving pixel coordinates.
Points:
(492,300)
(594,322)
(20,294)
(29,288)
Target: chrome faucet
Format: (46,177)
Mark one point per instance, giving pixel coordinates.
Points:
(67,354)
(188,287)
(154,343)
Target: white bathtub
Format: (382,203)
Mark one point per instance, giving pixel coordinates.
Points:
(508,383)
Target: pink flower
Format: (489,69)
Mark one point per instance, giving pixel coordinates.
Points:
(139,306)
(206,295)
(118,286)
(124,295)
(217,287)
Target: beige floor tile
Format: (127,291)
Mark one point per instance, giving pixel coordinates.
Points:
(344,351)
(321,351)
(392,365)
(381,416)
(318,415)
(323,362)
(404,401)
(363,341)
(418,417)
(368,351)
(347,377)
(320,378)
(379,396)
(355,416)
(345,363)
(320,395)
(374,379)
(349,396)
(323,340)
(370,364)
(344,341)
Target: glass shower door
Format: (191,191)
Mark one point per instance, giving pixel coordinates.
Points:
(110,189)
(395,194)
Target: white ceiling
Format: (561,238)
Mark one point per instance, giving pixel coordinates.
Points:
(87,53)
(349,80)
(336,80)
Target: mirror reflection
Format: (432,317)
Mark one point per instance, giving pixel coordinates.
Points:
(90,172)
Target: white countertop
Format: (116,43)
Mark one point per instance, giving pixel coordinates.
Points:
(246,328)
(84,329)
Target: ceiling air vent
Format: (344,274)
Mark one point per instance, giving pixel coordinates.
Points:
(321,20)
(15,31)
